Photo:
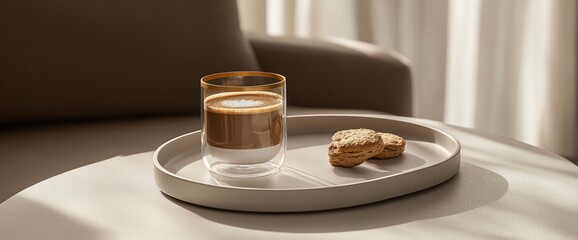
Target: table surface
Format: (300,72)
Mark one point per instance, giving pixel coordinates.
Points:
(504,189)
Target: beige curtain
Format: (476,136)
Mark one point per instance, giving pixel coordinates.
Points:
(504,67)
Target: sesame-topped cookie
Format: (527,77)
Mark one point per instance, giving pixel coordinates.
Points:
(352,147)
(394,146)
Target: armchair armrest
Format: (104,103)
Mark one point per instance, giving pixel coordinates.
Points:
(337,73)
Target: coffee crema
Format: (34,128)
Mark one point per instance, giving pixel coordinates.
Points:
(244,120)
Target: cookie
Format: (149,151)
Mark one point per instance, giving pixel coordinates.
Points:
(394,146)
(352,147)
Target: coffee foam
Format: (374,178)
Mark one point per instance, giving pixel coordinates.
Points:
(249,102)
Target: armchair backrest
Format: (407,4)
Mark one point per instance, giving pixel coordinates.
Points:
(63,59)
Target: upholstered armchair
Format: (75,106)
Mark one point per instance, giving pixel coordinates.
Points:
(91,59)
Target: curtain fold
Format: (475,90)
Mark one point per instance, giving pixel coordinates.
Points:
(504,67)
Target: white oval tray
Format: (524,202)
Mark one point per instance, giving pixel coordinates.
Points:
(307,182)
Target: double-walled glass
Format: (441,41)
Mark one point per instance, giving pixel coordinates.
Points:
(244,131)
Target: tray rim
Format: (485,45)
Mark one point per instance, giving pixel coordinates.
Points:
(181,137)
(452,161)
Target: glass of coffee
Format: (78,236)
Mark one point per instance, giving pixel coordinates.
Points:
(244,132)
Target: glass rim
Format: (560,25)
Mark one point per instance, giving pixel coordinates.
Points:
(206,84)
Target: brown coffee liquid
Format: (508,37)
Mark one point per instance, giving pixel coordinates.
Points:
(244,120)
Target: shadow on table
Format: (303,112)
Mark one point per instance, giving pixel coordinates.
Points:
(35,152)
(471,188)
(45,223)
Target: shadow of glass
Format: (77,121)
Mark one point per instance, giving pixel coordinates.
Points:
(459,194)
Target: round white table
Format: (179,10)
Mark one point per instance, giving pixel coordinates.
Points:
(504,190)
